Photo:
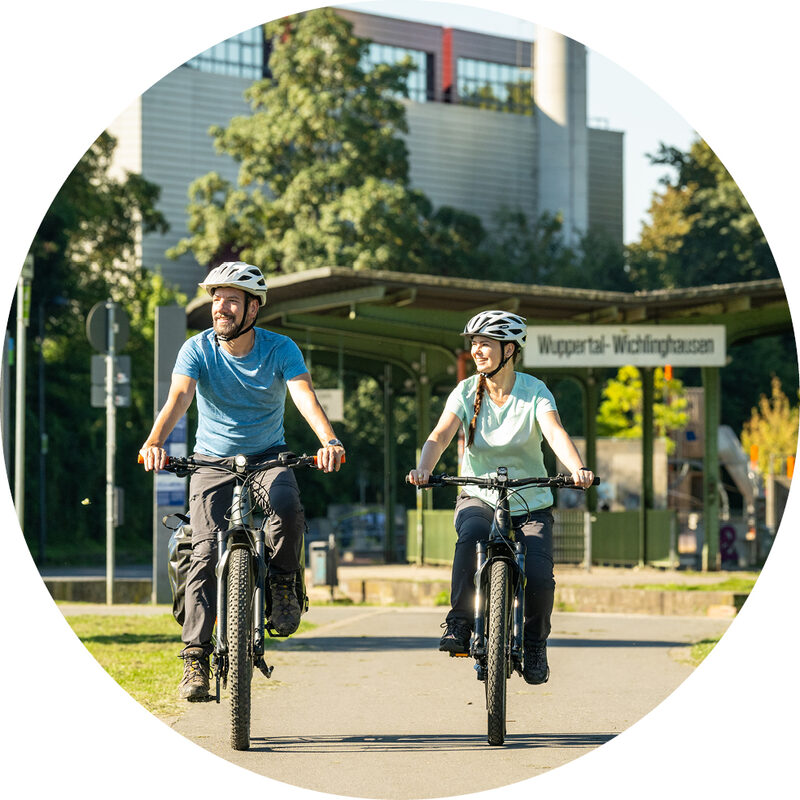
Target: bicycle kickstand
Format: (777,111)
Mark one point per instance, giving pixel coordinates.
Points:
(264,667)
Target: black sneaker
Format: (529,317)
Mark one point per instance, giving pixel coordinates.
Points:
(456,637)
(284,618)
(196,671)
(535,669)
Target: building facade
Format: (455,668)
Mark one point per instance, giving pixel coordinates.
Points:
(493,122)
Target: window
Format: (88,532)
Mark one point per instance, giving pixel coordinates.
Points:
(501,87)
(419,80)
(241,55)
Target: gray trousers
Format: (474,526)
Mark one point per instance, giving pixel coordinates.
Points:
(473,520)
(210,497)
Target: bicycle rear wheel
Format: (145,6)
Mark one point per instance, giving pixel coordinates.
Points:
(497,651)
(240,646)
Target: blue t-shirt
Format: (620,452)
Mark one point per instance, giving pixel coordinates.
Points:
(507,436)
(240,401)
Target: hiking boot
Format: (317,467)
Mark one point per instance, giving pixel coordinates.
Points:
(284,618)
(196,670)
(535,669)
(456,637)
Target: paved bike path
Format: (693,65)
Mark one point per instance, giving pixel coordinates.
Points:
(365,705)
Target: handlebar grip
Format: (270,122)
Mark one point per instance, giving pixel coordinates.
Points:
(317,465)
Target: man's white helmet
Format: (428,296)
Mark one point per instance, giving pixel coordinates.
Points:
(500,325)
(237,275)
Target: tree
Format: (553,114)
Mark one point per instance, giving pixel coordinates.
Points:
(85,252)
(323,168)
(620,412)
(536,253)
(773,428)
(701,230)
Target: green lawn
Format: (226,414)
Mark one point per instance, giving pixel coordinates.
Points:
(140,653)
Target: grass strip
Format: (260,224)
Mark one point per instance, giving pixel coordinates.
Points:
(735,585)
(140,654)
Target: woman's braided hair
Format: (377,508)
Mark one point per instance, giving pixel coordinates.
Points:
(477,409)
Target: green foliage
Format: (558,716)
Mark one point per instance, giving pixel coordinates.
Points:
(536,253)
(84,253)
(620,412)
(773,428)
(702,230)
(518,98)
(323,168)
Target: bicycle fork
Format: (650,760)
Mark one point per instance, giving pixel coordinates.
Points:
(478,641)
(253,542)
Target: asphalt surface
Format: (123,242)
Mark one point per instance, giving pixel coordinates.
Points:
(365,705)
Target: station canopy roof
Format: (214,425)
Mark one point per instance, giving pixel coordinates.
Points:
(395,316)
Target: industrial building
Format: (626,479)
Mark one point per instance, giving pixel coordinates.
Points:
(492,122)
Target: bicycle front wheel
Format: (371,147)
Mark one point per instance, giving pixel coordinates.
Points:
(240,646)
(497,646)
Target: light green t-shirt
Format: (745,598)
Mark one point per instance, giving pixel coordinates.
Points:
(505,436)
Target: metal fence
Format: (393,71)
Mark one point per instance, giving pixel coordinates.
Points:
(579,537)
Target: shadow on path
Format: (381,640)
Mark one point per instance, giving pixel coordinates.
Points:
(383,643)
(400,743)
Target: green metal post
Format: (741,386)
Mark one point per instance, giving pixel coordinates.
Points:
(710,556)
(646,503)
(590,425)
(424,499)
(389,471)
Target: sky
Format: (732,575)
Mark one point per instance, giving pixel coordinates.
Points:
(723,732)
(617,99)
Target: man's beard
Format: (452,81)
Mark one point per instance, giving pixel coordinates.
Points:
(225,325)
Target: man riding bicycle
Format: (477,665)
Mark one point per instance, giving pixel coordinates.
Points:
(240,374)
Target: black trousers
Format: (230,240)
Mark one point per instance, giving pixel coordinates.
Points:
(210,497)
(473,520)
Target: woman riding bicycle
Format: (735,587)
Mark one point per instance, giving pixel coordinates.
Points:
(505,414)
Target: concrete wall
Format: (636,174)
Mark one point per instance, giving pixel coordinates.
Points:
(560,94)
(167,129)
(606,207)
(473,159)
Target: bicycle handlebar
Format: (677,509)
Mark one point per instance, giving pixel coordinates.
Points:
(553,482)
(178,464)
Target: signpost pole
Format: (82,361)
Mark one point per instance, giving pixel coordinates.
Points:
(111,449)
(23,318)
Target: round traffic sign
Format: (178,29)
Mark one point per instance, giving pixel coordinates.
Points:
(97,327)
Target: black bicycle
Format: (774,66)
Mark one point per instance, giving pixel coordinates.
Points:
(496,642)
(243,603)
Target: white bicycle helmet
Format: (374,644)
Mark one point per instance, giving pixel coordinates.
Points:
(237,275)
(500,325)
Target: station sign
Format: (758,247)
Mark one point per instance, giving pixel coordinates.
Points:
(622,345)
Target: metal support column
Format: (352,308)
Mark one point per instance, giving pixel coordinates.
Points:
(590,426)
(646,502)
(389,467)
(423,403)
(710,556)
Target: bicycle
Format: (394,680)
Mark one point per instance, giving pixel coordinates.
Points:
(242,599)
(496,641)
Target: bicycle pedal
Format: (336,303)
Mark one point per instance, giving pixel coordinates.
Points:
(459,655)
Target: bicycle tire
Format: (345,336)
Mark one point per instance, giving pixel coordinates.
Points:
(240,646)
(497,652)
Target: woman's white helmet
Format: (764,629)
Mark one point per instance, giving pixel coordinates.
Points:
(500,325)
(237,275)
